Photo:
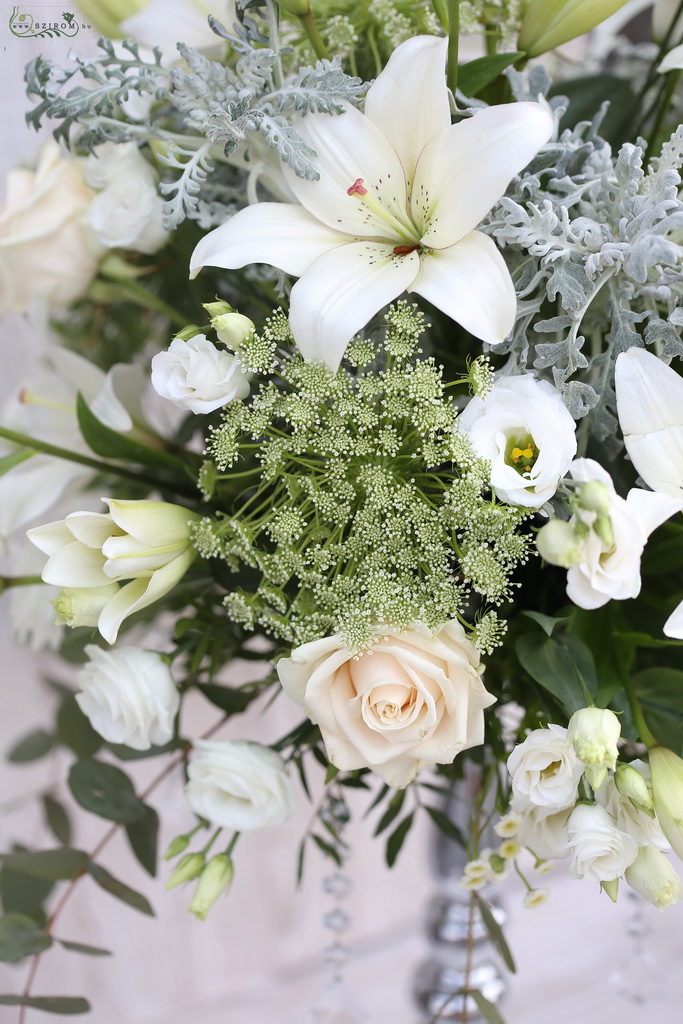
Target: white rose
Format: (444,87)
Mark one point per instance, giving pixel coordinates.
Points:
(47,247)
(239,785)
(609,560)
(196,375)
(545,769)
(542,829)
(645,829)
(527,434)
(129,696)
(410,701)
(600,851)
(126,214)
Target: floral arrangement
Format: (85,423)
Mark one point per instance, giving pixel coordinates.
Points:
(374,348)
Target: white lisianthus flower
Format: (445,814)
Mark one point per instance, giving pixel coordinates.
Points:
(196,375)
(412,700)
(126,213)
(606,562)
(48,250)
(400,193)
(129,696)
(594,734)
(600,851)
(240,785)
(644,828)
(652,875)
(525,431)
(543,830)
(146,542)
(545,769)
(650,407)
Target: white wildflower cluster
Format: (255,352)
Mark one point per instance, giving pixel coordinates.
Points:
(339,506)
(571,797)
(396,27)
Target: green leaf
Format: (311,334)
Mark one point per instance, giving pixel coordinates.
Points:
(51,1004)
(586,96)
(105,790)
(51,865)
(660,693)
(559,666)
(645,640)
(327,848)
(448,827)
(20,936)
(32,747)
(8,462)
(80,947)
(128,754)
(119,889)
(57,819)
(495,933)
(392,811)
(476,74)
(232,701)
(486,1009)
(24,894)
(108,444)
(74,729)
(143,836)
(547,622)
(395,840)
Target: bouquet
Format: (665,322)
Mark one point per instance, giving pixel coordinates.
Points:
(364,371)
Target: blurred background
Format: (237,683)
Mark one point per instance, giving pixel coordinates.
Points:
(259,958)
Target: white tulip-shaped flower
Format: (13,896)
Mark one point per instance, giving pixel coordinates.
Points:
(146,542)
(399,195)
(650,407)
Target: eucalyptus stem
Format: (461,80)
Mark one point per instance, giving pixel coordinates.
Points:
(637,714)
(315,39)
(453,44)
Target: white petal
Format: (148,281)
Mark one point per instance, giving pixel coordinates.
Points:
(673,626)
(350,147)
(465,169)
(90,528)
(138,594)
(471,283)
(341,291)
(653,507)
(75,565)
(50,537)
(658,457)
(673,60)
(409,100)
(282,234)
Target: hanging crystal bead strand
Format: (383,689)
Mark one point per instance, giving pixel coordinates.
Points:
(640,978)
(337,1003)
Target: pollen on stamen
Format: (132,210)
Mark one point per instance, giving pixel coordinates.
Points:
(358,188)
(404,250)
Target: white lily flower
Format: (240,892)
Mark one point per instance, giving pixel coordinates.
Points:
(400,193)
(673,60)
(663,13)
(145,542)
(650,407)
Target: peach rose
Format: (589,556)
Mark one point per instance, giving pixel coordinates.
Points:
(412,700)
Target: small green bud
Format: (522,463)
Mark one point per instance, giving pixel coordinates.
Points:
(217,308)
(558,543)
(611,888)
(232,328)
(603,528)
(188,868)
(191,331)
(631,784)
(178,846)
(295,7)
(214,880)
(594,733)
(595,497)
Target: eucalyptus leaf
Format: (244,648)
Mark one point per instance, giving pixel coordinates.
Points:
(397,838)
(486,1008)
(392,811)
(32,747)
(106,791)
(327,848)
(495,933)
(445,825)
(51,865)
(51,1004)
(81,947)
(559,666)
(74,730)
(20,936)
(57,819)
(24,893)
(227,698)
(119,889)
(143,836)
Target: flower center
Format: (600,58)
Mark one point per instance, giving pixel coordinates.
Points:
(551,770)
(405,230)
(521,453)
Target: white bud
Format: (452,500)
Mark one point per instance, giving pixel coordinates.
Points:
(558,543)
(652,875)
(594,733)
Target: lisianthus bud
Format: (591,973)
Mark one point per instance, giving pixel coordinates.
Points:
(232,328)
(605,531)
(558,543)
(217,308)
(215,879)
(666,771)
(177,846)
(594,732)
(595,497)
(652,875)
(631,784)
(188,868)
(81,606)
(550,23)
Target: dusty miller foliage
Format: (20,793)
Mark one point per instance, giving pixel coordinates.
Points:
(209,115)
(590,240)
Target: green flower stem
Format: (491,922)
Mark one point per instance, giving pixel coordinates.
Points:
(453,43)
(212,840)
(315,39)
(638,717)
(231,845)
(63,453)
(18,581)
(131,291)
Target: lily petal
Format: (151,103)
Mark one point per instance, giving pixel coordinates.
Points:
(409,100)
(350,147)
(471,283)
(75,565)
(140,593)
(281,234)
(465,169)
(152,524)
(673,626)
(653,507)
(341,291)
